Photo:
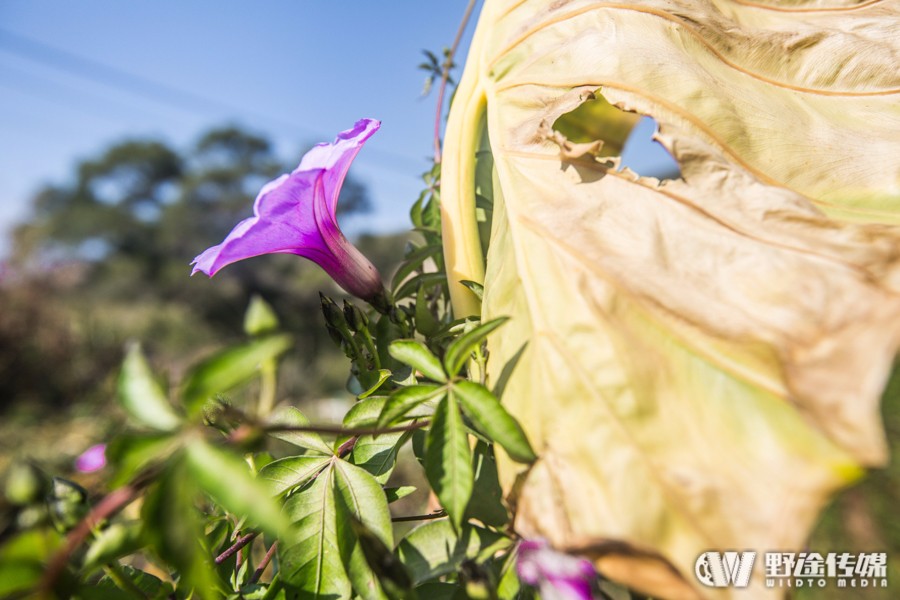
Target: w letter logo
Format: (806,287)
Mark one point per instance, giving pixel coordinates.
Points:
(724,569)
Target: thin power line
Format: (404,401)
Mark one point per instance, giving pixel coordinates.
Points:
(47,89)
(87,68)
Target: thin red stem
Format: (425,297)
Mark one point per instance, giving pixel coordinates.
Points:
(264,563)
(445,76)
(107,507)
(235,547)
(338,430)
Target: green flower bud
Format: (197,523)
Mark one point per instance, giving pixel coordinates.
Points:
(355,317)
(334,316)
(67,503)
(24,484)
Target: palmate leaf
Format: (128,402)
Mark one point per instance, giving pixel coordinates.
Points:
(324,560)
(437,548)
(291,416)
(375,454)
(703,358)
(313,564)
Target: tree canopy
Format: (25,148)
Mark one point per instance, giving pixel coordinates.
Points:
(105,258)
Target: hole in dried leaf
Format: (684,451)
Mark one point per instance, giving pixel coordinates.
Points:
(647,157)
(624,134)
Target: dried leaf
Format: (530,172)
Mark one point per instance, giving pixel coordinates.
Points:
(704,357)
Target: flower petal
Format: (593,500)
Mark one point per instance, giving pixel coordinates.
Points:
(92,459)
(296,214)
(335,158)
(559,576)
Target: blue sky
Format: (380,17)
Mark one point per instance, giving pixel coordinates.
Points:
(76,76)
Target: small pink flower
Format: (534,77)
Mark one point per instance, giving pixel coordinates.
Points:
(296,214)
(558,576)
(92,459)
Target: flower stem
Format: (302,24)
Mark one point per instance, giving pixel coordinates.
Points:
(264,562)
(267,386)
(370,346)
(435,515)
(236,547)
(352,431)
(107,507)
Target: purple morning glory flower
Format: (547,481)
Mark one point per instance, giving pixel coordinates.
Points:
(295,214)
(558,576)
(92,459)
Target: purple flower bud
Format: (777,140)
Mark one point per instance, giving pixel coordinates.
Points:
(296,214)
(92,459)
(558,576)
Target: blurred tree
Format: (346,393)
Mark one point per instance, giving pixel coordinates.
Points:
(105,259)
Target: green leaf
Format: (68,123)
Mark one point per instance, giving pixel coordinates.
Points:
(259,319)
(230,368)
(378,455)
(132,454)
(509,586)
(395,493)
(406,399)
(416,355)
(365,412)
(121,583)
(227,479)
(435,548)
(375,454)
(25,483)
(389,573)
(23,558)
(290,472)
(141,395)
(386,331)
(383,375)
(313,563)
(412,261)
(360,499)
(474,287)
(421,280)
(365,498)
(116,541)
(309,440)
(439,590)
(459,350)
(177,533)
(426,323)
(489,416)
(486,504)
(448,459)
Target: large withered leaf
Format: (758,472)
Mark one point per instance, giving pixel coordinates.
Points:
(699,361)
